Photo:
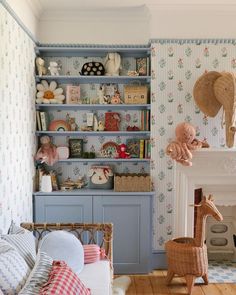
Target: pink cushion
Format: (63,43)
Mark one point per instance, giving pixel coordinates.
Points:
(93,253)
(62,280)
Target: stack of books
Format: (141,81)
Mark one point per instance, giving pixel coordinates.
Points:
(42,121)
(139,148)
(145,120)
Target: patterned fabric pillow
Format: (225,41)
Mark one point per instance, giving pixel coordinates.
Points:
(13,269)
(24,241)
(63,281)
(39,274)
(93,253)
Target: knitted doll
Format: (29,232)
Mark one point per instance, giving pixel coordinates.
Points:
(47,153)
(181,148)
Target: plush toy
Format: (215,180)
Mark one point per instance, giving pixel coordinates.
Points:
(40,66)
(47,153)
(116,98)
(101,95)
(122,154)
(181,149)
(54,68)
(112,64)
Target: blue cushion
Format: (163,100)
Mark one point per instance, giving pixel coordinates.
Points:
(62,245)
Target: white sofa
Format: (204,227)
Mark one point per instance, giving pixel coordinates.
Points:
(98,275)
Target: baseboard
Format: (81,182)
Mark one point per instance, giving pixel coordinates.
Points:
(159,260)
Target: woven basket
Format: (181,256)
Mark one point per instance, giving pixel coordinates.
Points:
(185,258)
(131,182)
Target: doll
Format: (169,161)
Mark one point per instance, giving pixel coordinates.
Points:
(47,152)
(122,152)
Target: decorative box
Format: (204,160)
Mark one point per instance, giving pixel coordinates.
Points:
(100,177)
(63,152)
(73,94)
(112,121)
(132,182)
(76,147)
(135,94)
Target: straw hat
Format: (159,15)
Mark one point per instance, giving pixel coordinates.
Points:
(204,94)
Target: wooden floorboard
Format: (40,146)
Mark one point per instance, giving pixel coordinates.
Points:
(154,284)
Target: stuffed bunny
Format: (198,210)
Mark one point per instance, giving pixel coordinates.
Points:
(112,64)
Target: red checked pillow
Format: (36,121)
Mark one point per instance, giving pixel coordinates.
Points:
(93,253)
(62,280)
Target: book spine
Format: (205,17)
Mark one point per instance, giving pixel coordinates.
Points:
(141,149)
(145,148)
(43,121)
(142,121)
(149,149)
(39,127)
(147,120)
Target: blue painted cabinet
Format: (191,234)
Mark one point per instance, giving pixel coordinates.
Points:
(62,208)
(129,213)
(131,217)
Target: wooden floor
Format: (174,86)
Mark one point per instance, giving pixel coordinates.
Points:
(154,284)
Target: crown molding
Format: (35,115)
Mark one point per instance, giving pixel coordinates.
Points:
(198,7)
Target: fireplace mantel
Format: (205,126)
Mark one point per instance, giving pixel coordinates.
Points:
(214,169)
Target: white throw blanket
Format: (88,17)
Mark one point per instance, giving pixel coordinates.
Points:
(121,285)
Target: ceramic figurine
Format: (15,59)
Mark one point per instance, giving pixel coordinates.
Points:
(40,66)
(54,68)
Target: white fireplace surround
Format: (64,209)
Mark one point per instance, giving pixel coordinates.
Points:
(214,170)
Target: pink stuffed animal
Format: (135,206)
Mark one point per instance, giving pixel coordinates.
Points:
(181,149)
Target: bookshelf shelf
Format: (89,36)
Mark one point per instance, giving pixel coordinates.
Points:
(106,107)
(94,133)
(103,160)
(94,79)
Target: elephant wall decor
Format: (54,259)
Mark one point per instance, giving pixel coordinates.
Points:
(214,90)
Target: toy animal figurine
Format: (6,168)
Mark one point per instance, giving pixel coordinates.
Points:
(54,68)
(47,153)
(181,148)
(40,66)
(101,95)
(116,98)
(101,126)
(112,64)
(187,256)
(122,154)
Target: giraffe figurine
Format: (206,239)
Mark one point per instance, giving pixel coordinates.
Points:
(187,256)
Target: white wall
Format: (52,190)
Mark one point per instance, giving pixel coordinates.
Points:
(193,21)
(107,26)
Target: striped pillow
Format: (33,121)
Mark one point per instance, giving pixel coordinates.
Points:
(39,274)
(24,242)
(63,281)
(93,253)
(13,269)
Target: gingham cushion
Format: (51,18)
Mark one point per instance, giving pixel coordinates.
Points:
(24,241)
(39,274)
(93,253)
(13,269)
(63,281)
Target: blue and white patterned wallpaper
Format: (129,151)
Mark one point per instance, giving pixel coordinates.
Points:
(17,122)
(175,68)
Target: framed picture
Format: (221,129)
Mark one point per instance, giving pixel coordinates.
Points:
(73,94)
(142,66)
(76,147)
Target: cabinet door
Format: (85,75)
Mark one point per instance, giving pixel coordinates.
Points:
(63,209)
(131,218)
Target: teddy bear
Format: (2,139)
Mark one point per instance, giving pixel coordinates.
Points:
(40,66)
(47,152)
(181,148)
(54,68)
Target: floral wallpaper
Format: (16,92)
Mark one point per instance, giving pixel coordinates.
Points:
(17,122)
(175,68)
